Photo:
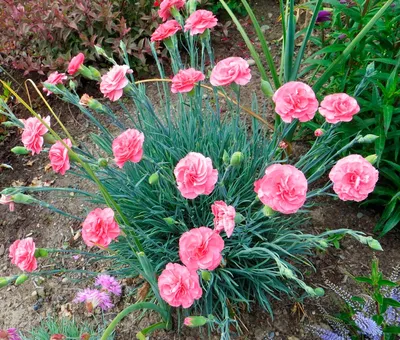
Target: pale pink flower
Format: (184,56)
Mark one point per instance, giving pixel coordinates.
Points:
(195,175)
(54,78)
(187,321)
(9,334)
(128,146)
(295,100)
(85,99)
(283,188)
(94,298)
(109,284)
(75,63)
(185,80)
(165,8)
(32,136)
(166,30)
(22,254)
(7,200)
(114,81)
(231,70)
(338,107)
(59,158)
(283,145)
(100,228)
(199,21)
(179,286)
(200,248)
(353,178)
(224,217)
(318,132)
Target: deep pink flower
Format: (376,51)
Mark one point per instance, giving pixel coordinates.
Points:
(318,132)
(59,158)
(109,284)
(128,146)
(75,63)
(179,286)
(199,21)
(184,80)
(94,298)
(100,228)
(32,136)
(166,5)
(54,78)
(187,321)
(224,217)
(283,145)
(200,248)
(231,70)
(166,30)
(9,334)
(353,178)
(22,254)
(324,16)
(114,81)
(339,107)
(295,100)
(195,175)
(283,188)
(7,200)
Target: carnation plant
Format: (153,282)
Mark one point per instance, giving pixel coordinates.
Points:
(199,197)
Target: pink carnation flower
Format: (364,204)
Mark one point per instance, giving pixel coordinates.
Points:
(200,248)
(166,30)
(100,228)
(32,136)
(184,80)
(128,146)
(9,334)
(75,63)
(7,200)
(22,254)
(166,5)
(283,188)
(353,178)
(114,81)
(318,132)
(224,217)
(338,107)
(199,21)
(195,175)
(54,78)
(179,286)
(295,100)
(94,298)
(59,158)
(109,284)
(231,70)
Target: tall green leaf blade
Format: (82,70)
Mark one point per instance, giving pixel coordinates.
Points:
(387,117)
(289,45)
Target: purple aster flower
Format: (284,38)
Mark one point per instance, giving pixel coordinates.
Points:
(367,326)
(324,16)
(109,284)
(392,316)
(326,334)
(94,298)
(9,334)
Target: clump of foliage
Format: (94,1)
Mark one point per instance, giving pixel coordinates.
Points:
(374,314)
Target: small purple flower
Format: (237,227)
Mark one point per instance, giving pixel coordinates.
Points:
(343,2)
(326,334)
(324,16)
(94,298)
(109,284)
(9,334)
(367,326)
(342,36)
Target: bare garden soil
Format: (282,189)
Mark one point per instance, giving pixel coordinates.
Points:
(24,306)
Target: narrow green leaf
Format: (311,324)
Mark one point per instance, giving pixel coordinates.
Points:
(363,279)
(387,117)
(289,46)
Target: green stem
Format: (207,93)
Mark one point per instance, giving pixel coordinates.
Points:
(160,325)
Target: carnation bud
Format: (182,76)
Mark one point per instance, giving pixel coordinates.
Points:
(94,73)
(191,5)
(237,158)
(21,279)
(268,211)
(375,245)
(154,178)
(85,336)
(40,252)
(323,243)
(169,220)
(205,275)
(95,105)
(100,50)
(372,158)
(22,198)
(319,291)
(49,139)
(195,321)
(288,273)
(72,85)
(239,218)
(58,337)
(3,282)
(309,290)
(102,162)
(266,88)
(318,132)
(19,150)
(368,139)
(85,72)
(225,157)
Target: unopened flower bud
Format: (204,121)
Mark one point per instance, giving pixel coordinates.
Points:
(309,290)
(85,72)
(85,336)
(100,50)
(84,101)
(239,218)
(102,162)
(323,243)
(225,157)
(23,199)
(195,321)
(375,245)
(40,252)
(19,150)
(319,291)
(266,88)
(288,273)
(268,211)
(205,275)
(94,73)
(154,178)
(21,279)
(237,158)
(372,158)
(368,139)
(49,139)
(318,132)
(95,105)
(72,85)
(3,282)
(169,220)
